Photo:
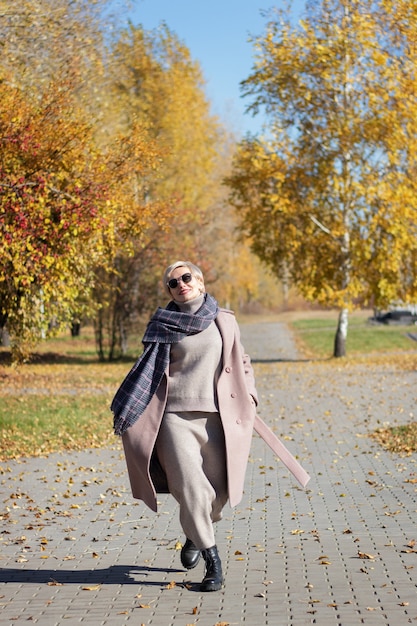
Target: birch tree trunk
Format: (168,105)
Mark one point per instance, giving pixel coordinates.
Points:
(341,334)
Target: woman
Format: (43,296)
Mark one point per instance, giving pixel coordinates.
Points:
(194,391)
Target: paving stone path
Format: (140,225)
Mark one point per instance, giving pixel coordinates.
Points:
(77,549)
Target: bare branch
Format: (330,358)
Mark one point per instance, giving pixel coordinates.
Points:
(320,225)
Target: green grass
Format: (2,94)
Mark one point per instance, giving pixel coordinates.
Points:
(317,337)
(36,425)
(60,400)
(399,439)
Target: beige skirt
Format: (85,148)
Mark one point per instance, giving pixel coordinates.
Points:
(191,450)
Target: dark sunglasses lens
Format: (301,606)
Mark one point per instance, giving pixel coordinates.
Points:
(173,283)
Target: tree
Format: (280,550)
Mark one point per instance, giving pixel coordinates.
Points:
(153,82)
(122,284)
(45,39)
(48,211)
(70,203)
(156,82)
(330,196)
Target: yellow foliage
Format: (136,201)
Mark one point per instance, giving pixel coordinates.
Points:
(69,203)
(330,198)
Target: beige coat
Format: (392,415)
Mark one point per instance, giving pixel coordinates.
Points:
(236,396)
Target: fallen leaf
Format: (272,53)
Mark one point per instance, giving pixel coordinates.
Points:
(171,585)
(364,555)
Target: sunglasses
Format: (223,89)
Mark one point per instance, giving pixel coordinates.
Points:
(186,278)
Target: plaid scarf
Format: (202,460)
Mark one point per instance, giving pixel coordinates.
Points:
(166,326)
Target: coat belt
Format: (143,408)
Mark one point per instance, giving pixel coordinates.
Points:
(281,451)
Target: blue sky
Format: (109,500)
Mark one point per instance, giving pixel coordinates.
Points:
(216,33)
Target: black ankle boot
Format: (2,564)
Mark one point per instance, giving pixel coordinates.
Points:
(213,580)
(190,555)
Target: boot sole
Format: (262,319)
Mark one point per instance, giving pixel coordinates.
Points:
(212,587)
(190,566)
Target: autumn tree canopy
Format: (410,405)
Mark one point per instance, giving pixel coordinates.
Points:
(111,167)
(329,197)
(69,202)
(152,83)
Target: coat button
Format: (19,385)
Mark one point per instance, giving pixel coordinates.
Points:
(238,421)
(228,369)
(233,395)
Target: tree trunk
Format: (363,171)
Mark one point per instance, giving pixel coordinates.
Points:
(4,337)
(123,337)
(341,334)
(98,331)
(75,328)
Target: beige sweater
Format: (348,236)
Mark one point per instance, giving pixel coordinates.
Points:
(195,364)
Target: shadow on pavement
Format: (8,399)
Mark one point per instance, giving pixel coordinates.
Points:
(113,575)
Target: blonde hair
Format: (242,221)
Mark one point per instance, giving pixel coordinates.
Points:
(193,269)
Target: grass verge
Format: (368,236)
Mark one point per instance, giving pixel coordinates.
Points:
(35,425)
(60,400)
(398,439)
(316,337)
